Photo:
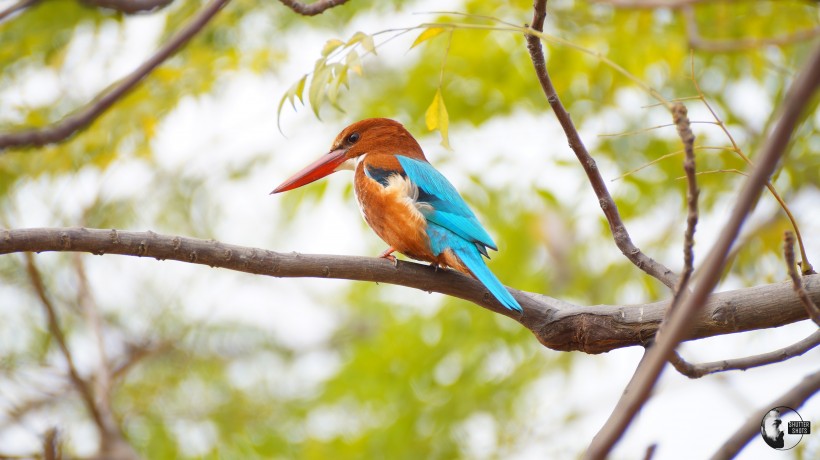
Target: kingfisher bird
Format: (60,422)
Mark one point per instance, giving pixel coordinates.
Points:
(407,202)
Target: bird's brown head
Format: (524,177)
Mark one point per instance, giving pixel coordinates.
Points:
(375,136)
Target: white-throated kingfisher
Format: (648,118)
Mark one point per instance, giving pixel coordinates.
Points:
(410,205)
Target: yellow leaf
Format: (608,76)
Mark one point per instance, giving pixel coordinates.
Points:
(331,45)
(300,88)
(428,33)
(356,38)
(353,62)
(368,45)
(436,117)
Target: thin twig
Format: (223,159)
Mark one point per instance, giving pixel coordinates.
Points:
(21,5)
(51,445)
(696,371)
(54,326)
(130,6)
(610,209)
(668,155)
(679,114)
(556,324)
(680,323)
(806,266)
(63,129)
(312,9)
(788,253)
(794,398)
(85,301)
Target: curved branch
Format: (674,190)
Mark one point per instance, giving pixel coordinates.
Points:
(312,9)
(696,371)
(683,318)
(556,324)
(610,209)
(69,125)
(21,5)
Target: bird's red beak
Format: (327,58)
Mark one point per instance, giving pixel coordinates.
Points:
(320,168)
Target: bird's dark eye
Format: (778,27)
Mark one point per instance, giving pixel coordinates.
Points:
(353,138)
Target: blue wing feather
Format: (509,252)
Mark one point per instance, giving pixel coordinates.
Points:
(442,238)
(448,207)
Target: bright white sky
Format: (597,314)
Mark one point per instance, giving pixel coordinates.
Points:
(688,419)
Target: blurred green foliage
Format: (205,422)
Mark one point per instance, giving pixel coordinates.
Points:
(405,382)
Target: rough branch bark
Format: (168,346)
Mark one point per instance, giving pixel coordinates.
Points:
(556,324)
(130,6)
(312,9)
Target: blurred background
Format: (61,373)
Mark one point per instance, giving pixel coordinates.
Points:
(209,363)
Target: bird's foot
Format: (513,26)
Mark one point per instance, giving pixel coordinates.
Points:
(388,254)
(435,265)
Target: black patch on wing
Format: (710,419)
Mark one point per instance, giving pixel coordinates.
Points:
(381,175)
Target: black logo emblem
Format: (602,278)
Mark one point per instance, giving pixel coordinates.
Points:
(782,428)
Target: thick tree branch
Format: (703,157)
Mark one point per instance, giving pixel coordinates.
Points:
(312,9)
(130,6)
(696,371)
(616,225)
(73,123)
(794,398)
(556,324)
(683,318)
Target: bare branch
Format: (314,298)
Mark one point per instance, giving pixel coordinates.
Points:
(52,450)
(89,308)
(794,398)
(616,226)
(54,326)
(696,371)
(556,324)
(648,4)
(130,6)
(112,443)
(682,319)
(73,123)
(724,46)
(19,6)
(788,252)
(312,9)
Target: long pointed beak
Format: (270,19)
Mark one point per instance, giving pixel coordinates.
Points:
(320,168)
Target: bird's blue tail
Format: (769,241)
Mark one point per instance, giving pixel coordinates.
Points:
(468,253)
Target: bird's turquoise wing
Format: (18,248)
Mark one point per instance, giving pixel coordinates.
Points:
(448,207)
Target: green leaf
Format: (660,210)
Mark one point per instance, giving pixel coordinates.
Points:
(427,34)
